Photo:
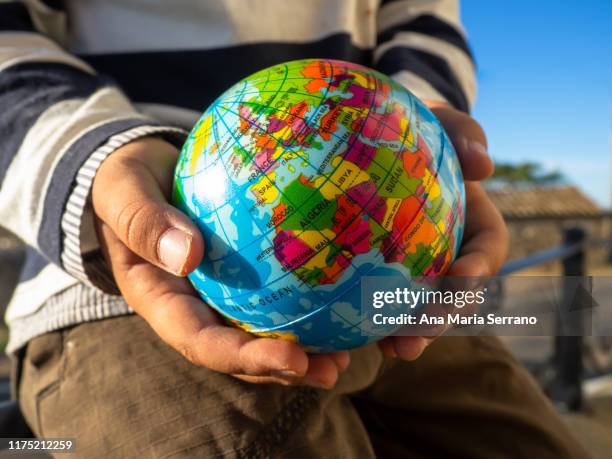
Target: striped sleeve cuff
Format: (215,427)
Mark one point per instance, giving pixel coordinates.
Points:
(80,253)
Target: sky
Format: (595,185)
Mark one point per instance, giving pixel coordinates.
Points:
(545,85)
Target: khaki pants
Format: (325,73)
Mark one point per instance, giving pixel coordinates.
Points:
(121,392)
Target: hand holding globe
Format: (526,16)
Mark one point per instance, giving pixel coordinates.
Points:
(133,217)
(304,178)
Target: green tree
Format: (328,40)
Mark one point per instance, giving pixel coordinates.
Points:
(524,174)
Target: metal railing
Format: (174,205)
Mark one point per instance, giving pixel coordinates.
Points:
(565,388)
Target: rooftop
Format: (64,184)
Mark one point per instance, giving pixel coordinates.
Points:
(544,202)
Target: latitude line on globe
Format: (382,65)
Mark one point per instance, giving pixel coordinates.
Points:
(307,122)
(341,232)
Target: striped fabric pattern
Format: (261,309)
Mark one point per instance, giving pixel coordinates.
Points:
(80,79)
(78,213)
(59,312)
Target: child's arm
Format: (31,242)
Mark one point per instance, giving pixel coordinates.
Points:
(59,124)
(56,112)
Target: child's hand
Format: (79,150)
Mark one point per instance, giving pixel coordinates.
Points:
(148,243)
(485,239)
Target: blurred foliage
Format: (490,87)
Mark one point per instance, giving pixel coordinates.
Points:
(524,174)
(3,338)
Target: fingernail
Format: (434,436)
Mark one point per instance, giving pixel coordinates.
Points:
(476,147)
(284,373)
(173,249)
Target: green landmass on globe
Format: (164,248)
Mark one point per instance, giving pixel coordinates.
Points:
(304,178)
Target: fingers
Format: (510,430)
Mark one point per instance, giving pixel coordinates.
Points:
(468,139)
(485,241)
(387,347)
(201,337)
(183,321)
(409,347)
(482,253)
(129,195)
(341,359)
(195,330)
(406,348)
(323,372)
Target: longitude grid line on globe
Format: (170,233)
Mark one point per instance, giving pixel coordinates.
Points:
(221,154)
(278,91)
(265,234)
(237,139)
(327,178)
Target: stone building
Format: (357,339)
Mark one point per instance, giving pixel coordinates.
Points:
(537,216)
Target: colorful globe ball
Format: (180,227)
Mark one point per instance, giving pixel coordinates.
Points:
(305,177)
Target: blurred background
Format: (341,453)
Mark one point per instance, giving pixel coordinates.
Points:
(545,101)
(545,86)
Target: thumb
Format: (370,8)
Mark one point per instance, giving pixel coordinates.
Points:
(468,139)
(128,195)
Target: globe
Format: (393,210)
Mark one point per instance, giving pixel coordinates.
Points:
(306,177)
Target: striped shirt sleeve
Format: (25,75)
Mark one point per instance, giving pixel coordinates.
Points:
(59,121)
(422,45)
